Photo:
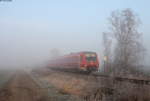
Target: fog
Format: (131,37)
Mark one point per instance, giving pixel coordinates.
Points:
(26,46)
(30,30)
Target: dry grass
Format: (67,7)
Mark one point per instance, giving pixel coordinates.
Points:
(131,92)
(91,89)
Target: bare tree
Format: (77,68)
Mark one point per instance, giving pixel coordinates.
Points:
(107,52)
(128,48)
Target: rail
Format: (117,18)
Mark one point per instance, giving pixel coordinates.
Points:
(131,80)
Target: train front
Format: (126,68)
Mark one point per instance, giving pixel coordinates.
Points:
(89,61)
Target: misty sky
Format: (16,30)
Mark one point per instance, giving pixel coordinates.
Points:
(29,29)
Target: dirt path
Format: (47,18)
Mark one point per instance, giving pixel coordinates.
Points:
(22,88)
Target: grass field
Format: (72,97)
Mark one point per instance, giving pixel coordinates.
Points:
(5,75)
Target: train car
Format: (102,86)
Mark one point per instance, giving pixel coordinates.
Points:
(82,61)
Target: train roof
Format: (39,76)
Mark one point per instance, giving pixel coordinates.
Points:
(74,54)
(87,52)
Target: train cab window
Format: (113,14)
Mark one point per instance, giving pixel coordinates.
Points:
(91,57)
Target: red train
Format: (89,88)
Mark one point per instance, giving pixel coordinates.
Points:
(82,61)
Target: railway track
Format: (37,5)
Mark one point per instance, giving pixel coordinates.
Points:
(125,79)
(135,80)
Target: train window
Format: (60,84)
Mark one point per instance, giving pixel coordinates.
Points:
(88,55)
(91,58)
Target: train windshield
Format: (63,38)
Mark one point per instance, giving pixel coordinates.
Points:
(91,57)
